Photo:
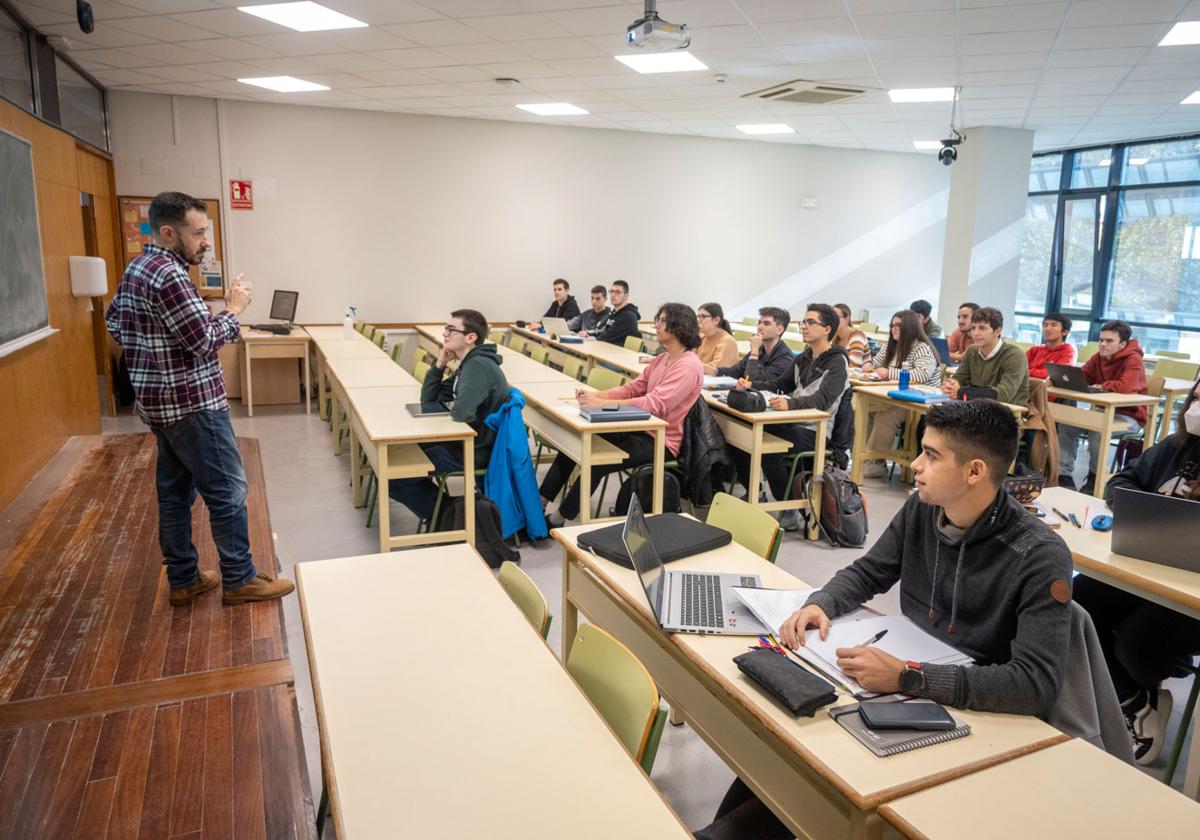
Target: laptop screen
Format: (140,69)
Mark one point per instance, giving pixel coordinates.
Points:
(644,555)
(283,306)
(942,346)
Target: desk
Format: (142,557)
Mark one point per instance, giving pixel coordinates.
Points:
(592,352)
(812,773)
(1099,420)
(416,743)
(516,367)
(346,373)
(1173,391)
(356,347)
(264,345)
(328,332)
(386,436)
(1067,790)
(747,432)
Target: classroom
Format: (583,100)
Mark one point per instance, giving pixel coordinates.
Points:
(870,327)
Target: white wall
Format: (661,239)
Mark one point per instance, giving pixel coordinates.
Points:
(410,216)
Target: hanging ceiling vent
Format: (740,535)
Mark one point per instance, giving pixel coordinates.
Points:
(803,92)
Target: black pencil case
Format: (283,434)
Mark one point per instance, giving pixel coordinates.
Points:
(800,692)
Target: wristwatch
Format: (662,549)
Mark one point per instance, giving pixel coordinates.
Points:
(912,678)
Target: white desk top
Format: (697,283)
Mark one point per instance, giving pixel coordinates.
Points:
(373,372)
(476,733)
(557,399)
(1102,398)
(519,369)
(329,332)
(249,335)
(619,357)
(339,349)
(800,415)
(385,418)
(879,390)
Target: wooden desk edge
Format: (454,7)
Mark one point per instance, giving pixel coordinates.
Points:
(1086,563)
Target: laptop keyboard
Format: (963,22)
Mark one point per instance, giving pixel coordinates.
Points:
(701,600)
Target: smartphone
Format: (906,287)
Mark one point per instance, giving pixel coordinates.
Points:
(611,407)
(905,715)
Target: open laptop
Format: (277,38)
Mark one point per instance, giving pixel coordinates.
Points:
(1156,528)
(1070,378)
(283,308)
(687,602)
(942,346)
(556,327)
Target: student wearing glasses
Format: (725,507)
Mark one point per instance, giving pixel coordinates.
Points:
(717,345)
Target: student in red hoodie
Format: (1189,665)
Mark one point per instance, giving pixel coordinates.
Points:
(1056,349)
(1117,367)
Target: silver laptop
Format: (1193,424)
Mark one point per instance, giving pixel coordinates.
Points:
(556,326)
(1156,528)
(687,602)
(1070,378)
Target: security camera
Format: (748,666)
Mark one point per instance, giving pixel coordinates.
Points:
(83,14)
(948,153)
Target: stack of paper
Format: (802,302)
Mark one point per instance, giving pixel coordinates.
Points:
(719,382)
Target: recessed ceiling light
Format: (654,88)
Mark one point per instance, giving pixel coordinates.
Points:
(303,17)
(1192,99)
(665,62)
(1185,32)
(927,145)
(903,95)
(766,128)
(553,109)
(1138,161)
(283,84)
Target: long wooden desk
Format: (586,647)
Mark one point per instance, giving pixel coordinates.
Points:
(1068,790)
(264,345)
(1101,419)
(517,367)
(592,352)
(345,373)
(420,741)
(811,773)
(1173,391)
(338,347)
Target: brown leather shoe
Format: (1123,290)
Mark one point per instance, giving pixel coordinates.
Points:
(262,588)
(182,597)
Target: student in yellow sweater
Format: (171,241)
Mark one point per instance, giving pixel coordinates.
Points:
(717,345)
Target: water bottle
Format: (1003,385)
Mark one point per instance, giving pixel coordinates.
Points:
(348,324)
(905,376)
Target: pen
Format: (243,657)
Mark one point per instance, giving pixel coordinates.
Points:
(874,638)
(1075,521)
(1060,514)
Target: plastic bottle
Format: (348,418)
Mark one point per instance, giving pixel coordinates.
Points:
(905,377)
(348,324)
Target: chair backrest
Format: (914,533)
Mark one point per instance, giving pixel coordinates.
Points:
(867,326)
(538,353)
(378,338)
(796,345)
(396,352)
(1024,345)
(1176,369)
(516,342)
(496,336)
(602,379)
(1088,350)
(617,684)
(573,368)
(751,320)
(368,331)
(634,343)
(1154,385)
(360,324)
(742,335)
(525,594)
(1172,354)
(751,527)
(420,370)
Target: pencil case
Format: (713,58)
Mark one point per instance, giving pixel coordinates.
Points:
(800,692)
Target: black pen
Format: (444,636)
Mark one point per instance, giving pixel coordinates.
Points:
(874,638)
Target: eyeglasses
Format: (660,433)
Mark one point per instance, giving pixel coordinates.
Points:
(809,322)
(704,316)
(447,330)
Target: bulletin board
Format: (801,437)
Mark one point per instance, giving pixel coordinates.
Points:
(209,277)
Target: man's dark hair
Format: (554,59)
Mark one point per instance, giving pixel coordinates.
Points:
(829,317)
(982,429)
(622,284)
(1063,320)
(780,316)
(989,315)
(171,208)
(974,307)
(563,283)
(599,290)
(473,322)
(681,323)
(1123,330)
(921,307)
(843,308)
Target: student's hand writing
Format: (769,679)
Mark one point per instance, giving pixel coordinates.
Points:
(950,387)
(874,669)
(791,633)
(582,333)
(743,383)
(779,403)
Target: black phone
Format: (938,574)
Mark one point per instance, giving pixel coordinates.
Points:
(905,715)
(611,407)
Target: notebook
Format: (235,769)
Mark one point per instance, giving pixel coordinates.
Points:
(913,395)
(890,742)
(617,414)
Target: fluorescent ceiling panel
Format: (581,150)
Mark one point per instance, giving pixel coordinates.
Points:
(283,84)
(664,62)
(553,109)
(905,95)
(1181,34)
(303,17)
(1192,99)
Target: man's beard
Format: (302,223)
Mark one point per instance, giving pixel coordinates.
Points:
(191,259)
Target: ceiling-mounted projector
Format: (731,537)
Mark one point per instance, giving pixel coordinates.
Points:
(652,32)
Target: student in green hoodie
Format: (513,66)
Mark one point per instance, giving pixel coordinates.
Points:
(991,362)
(478,388)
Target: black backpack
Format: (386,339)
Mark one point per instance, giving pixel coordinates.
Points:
(843,508)
(488,542)
(641,481)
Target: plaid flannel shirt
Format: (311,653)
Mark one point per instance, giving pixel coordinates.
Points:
(170,339)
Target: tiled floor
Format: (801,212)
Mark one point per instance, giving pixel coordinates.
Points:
(308,492)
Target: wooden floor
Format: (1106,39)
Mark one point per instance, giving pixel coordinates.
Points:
(121,716)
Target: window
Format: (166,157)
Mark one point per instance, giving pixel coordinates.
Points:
(1037,244)
(81,105)
(1161,163)
(16,77)
(1090,168)
(1045,173)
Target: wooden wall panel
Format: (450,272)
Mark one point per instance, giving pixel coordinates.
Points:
(50,386)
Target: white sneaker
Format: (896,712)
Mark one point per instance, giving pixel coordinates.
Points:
(875,469)
(789,520)
(1146,717)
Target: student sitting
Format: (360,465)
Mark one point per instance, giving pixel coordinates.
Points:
(819,378)
(849,338)
(907,349)
(1055,348)
(478,388)
(591,320)
(959,340)
(564,305)
(991,362)
(717,345)
(622,322)
(975,571)
(1116,367)
(1144,642)
(923,310)
(769,359)
(667,388)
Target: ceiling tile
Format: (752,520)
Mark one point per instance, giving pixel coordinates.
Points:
(369,39)
(229,22)
(492,51)
(233,48)
(1007,42)
(913,25)
(1007,61)
(726,37)
(417,57)
(1124,12)
(932,47)
(395,77)
(516,27)
(380,12)
(152,54)
(766,11)
(296,43)
(438,33)
(1012,18)
(160,28)
(813,53)
(169,7)
(1096,58)
(104,36)
(1102,37)
(825,30)
(698,13)
(352,62)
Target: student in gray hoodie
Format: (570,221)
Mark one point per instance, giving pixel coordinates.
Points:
(975,570)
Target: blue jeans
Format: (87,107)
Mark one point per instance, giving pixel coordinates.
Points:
(199,453)
(420,494)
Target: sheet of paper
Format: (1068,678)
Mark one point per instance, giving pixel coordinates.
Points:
(904,640)
(719,381)
(774,606)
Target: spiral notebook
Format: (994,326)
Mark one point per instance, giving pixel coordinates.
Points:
(893,741)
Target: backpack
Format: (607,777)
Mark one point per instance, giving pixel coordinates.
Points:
(488,542)
(641,481)
(843,508)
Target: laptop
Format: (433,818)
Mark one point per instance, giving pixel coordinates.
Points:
(1156,528)
(556,327)
(942,346)
(1070,378)
(687,602)
(427,409)
(283,308)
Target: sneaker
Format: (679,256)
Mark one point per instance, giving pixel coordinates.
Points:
(789,520)
(182,597)
(1146,717)
(262,588)
(875,469)
(555,519)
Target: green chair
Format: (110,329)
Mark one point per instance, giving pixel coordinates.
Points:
(1024,345)
(797,345)
(396,352)
(496,336)
(421,370)
(634,343)
(525,594)
(621,689)
(1177,369)
(751,527)
(516,342)
(742,335)
(573,368)
(360,325)
(539,353)
(1189,710)
(378,338)
(1088,350)
(603,379)
(868,327)
(750,320)
(368,332)
(1172,354)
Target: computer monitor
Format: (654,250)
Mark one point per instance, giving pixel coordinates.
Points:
(283,306)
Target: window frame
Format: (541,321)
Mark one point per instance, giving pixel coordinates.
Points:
(30,63)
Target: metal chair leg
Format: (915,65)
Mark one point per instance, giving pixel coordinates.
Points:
(1189,710)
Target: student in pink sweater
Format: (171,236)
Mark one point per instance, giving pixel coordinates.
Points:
(667,388)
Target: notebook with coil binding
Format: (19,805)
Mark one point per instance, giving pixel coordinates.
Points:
(885,743)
